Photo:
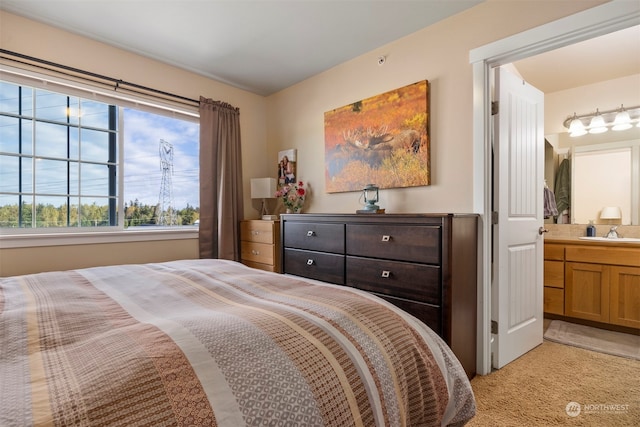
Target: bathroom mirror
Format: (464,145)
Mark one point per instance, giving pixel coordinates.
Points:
(603,173)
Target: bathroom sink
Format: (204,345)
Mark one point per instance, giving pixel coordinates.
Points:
(607,239)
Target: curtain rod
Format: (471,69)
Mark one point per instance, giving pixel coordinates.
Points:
(117,83)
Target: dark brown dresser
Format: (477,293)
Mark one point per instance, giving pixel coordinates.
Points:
(425,264)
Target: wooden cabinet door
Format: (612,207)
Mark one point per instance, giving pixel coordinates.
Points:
(553,300)
(625,296)
(554,274)
(587,291)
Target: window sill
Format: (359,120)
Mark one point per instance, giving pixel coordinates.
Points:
(95,237)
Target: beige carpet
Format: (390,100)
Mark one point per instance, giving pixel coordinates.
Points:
(616,343)
(536,389)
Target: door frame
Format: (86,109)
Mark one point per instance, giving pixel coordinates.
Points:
(600,20)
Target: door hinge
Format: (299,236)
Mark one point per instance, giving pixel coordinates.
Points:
(494,327)
(494,218)
(495,107)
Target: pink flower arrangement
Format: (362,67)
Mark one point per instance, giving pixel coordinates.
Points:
(292,195)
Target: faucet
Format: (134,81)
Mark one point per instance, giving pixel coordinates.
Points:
(613,233)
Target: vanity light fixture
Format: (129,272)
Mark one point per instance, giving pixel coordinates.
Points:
(601,121)
(622,120)
(576,127)
(597,124)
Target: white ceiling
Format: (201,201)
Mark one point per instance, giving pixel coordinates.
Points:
(265,45)
(262,46)
(603,58)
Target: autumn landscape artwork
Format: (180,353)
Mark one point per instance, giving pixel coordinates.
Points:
(382,140)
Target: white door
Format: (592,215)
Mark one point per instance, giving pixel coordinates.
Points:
(517,305)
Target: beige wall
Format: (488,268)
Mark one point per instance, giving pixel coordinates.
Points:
(606,95)
(293,118)
(51,258)
(440,54)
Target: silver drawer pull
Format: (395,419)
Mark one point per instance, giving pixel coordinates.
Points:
(253,251)
(385,273)
(386,238)
(255,233)
(311,233)
(310,262)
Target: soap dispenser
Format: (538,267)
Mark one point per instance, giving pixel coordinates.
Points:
(591,229)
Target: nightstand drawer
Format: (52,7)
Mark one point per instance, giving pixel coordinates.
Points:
(398,242)
(260,244)
(314,265)
(258,231)
(418,282)
(315,237)
(258,252)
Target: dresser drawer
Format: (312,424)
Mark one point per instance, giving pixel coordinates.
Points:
(314,265)
(259,231)
(398,242)
(258,252)
(418,282)
(428,314)
(315,236)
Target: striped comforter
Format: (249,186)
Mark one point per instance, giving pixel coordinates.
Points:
(215,343)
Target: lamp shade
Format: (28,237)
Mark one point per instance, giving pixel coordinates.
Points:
(611,212)
(622,121)
(576,128)
(597,124)
(263,188)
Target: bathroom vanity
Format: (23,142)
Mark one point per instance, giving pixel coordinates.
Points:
(596,282)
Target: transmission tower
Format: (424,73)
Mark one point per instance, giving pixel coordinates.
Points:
(167,215)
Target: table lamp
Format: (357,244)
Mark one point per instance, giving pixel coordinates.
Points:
(264,188)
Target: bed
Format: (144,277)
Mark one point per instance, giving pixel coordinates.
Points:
(216,343)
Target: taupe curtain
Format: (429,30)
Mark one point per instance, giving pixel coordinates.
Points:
(221,205)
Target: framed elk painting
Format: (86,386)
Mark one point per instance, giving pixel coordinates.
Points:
(383,140)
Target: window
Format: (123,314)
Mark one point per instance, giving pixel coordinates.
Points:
(161,170)
(70,163)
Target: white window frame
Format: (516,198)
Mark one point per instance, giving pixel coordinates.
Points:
(34,237)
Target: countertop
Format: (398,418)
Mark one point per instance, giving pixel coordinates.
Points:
(579,241)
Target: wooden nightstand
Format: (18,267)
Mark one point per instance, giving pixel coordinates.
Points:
(260,244)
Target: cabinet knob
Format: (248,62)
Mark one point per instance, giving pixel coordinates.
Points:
(385,273)
(255,232)
(310,262)
(311,233)
(386,238)
(255,252)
